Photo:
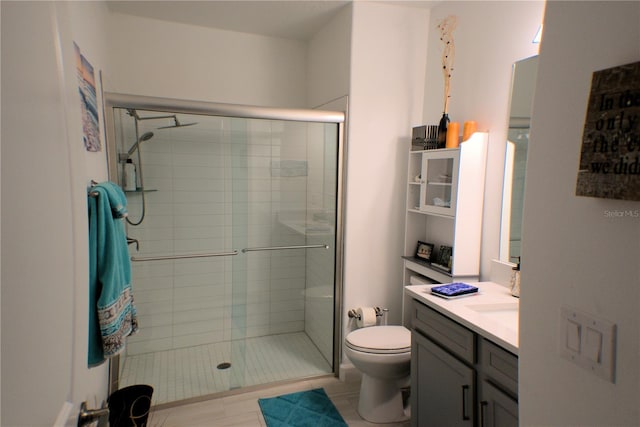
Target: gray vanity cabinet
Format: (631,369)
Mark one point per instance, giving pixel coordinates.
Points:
(498,389)
(459,378)
(496,408)
(442,387)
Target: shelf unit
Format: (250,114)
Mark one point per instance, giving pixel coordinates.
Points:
(445,198)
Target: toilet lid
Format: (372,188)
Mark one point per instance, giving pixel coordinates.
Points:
(380,339)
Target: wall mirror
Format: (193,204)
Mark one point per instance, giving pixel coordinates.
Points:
(522,89)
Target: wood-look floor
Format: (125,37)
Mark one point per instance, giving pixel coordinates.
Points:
(243,409)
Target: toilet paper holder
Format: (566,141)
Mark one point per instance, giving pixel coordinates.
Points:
(380,312)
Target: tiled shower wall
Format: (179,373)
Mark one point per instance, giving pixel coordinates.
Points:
(221,189)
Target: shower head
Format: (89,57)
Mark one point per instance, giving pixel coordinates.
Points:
(145,137)
(177,124)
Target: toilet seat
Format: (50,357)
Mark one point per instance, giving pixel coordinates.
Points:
(380,340)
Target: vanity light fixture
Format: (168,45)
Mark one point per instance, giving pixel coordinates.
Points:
(538,37)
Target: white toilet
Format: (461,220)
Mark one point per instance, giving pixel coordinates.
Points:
(383,355)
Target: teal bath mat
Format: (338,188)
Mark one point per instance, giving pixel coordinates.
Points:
(311,408)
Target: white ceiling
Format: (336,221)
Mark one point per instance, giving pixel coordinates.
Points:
(291,19)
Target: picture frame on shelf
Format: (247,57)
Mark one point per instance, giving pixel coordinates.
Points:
(444,257)
(424,251)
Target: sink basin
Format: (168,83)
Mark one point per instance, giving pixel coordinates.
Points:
(505,313)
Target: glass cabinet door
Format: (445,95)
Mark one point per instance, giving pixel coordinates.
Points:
(439,182)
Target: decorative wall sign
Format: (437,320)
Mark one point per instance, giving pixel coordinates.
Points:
(610,157)
(88,102)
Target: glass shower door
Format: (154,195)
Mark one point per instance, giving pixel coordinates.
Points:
(234,279)
(284,219)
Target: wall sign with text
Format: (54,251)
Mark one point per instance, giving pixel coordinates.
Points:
(610,157)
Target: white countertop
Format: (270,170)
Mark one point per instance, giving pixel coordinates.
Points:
(492,313)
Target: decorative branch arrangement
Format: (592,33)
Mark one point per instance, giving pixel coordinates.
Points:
(446,27)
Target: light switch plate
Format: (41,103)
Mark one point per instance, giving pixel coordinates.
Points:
(574,336)
(589,342)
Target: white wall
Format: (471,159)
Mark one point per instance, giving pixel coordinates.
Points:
(328,61)
(490,36)
(159,58)
(36,242)
(85,24)
(388,53)
(45,170)
(573,254)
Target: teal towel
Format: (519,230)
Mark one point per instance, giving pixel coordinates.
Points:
(112,314)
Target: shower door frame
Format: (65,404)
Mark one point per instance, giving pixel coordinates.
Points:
(116,100)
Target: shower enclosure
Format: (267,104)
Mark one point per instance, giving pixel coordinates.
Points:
(235,240)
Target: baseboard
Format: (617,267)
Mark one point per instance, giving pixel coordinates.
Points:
(349,373)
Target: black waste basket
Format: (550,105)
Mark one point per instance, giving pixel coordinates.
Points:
(129,406)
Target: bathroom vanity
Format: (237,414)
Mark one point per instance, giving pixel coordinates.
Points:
(464,363)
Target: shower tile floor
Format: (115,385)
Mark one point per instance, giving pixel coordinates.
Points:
(192,372)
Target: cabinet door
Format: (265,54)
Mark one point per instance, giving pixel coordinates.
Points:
(496,408)
(499,365)
(442,387)
(439,181)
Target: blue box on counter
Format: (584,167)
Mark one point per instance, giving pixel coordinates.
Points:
(453,290)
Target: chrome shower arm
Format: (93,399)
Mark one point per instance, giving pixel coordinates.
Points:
(134,113)
(156,117)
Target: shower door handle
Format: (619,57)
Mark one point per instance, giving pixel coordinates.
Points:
(216,254)
(276,248)
(186,256)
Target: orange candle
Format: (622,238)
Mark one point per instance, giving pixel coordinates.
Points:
(453,135)
(470,128)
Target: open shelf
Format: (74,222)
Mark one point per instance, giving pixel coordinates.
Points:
(428,264)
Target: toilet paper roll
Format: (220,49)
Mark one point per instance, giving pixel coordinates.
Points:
(366,317)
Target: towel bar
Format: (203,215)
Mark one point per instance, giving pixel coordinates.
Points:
(131,241)
(93,193)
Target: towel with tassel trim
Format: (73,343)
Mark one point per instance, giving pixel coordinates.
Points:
(112,313)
